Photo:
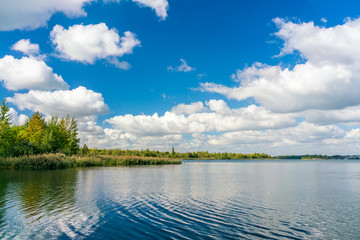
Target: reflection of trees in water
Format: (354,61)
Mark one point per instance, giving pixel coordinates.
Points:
(47,204)
(36,204)
(47,191)
(3,189)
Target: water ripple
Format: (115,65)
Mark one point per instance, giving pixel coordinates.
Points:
(193,201)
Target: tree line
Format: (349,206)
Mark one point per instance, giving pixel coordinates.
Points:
(187,155)
(60,135)
(37,136)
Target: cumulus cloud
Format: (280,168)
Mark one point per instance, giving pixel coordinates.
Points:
(88,43)
(189,108)
(352,138)
(118,139)
(300,139)
(321,92)
(329,78)
(187,119)
(347,115)
(184,67)
(31,14)
(26,47)
(301,133)
(29,73)
(17,119)
(81,103)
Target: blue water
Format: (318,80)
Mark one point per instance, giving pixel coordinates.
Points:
(206,200)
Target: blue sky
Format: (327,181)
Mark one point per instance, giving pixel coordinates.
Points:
(257,76)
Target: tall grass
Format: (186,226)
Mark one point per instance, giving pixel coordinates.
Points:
(58,161)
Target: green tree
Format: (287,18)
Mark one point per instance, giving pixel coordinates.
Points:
(85,150)
(6,133)
(173,152)
(36,131)
(74,141)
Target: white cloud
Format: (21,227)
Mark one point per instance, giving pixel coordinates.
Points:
(26,47)
(160,6)
(305,138)
(317,44)
(189,108)
(29,73)
(322,91)
(81,103)
(351,138)
(31,14)
(17,119)
(88,43)
(342,116)
(187,119)
(329,79)
(184,67)
(120,65)
(118,139)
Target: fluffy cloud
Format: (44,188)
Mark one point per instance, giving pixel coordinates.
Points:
(343,116)
(187,119)
(184,67)
(31,14)
(88,43)
(16,118)
(338,44)
(118,139)
(329,78)
(189,108)
(301,133)
(29,73)
(160,6)
(81,103)
(26,47)
(321,92)
(301,139)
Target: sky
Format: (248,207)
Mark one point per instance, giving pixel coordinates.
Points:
(279,77)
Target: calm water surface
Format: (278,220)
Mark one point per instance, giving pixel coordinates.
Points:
(205,200)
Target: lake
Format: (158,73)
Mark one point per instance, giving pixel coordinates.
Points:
(245,199)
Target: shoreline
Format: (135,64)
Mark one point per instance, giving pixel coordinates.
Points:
(61,161)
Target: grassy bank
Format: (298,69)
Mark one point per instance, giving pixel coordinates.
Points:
(58,161)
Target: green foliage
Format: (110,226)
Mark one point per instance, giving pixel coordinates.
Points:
(4,114)
(7,135)
(84,150)
(37,135)
(35,131)
(173,152)
(45,161)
